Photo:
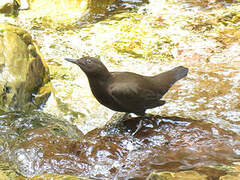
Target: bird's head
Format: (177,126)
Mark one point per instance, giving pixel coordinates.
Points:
(91,66)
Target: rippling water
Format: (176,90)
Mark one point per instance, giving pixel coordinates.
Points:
(198,127)
(163,143)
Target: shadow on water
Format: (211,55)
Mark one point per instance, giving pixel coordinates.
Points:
(163,143)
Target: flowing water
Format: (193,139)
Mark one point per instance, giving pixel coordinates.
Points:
(197,129)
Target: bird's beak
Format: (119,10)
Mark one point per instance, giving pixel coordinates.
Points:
(71,60)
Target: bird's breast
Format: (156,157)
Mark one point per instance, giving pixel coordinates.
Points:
(99,90)
(101,93)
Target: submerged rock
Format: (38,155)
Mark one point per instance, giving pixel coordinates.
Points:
(64,13)
(16,126)
(24,76)
(162,144)
(184,175)
(3,176)
(57,177)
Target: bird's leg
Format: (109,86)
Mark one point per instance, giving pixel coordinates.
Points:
(139,126)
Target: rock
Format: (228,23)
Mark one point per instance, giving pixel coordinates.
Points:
(3,176)
(183,175)
(57,177)
(230,177)
(8,7)
(35,125)
(64,13)
(24,76)
(162,144)
(96,9)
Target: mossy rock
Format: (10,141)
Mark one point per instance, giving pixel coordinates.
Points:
(65,14)
(8,7)
(24,76)
(183,175)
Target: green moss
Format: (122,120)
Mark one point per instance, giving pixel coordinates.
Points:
(7,172)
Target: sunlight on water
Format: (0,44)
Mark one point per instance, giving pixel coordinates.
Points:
(201,123)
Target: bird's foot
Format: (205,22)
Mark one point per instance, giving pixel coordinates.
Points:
(140,124)
(117,118)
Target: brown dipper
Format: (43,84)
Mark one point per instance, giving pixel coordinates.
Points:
(126,91)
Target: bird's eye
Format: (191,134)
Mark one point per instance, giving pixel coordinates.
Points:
(88,61)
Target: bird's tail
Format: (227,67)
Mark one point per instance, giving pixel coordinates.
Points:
(172,75)
(179,72)
(166,79)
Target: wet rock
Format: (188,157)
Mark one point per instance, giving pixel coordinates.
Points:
(233,173)
(230,177)
(24,75)
(16,127)
(16,124)
(184,175)
(203,5)
(7,172)
(98,10)
(57,6)
(212,172)
(66,13)
(8,7)
(162,144)
(57,177)
(3,176)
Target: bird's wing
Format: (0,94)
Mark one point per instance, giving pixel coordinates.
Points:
(135,98)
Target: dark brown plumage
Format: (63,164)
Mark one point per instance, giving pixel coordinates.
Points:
(126,91)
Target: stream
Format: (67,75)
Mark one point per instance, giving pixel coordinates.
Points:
(197,129)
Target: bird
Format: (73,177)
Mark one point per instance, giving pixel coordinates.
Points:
(127,91)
